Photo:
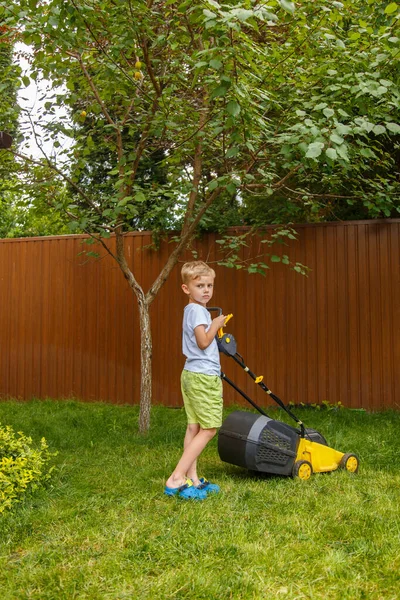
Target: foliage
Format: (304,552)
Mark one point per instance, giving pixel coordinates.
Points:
(8,122)
(337,88)
(238,254)
(310,91)
(22,466)
(105,530)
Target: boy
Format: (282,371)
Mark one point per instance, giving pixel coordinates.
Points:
(200,381)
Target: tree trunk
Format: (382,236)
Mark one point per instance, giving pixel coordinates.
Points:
(146,346)
(146,350)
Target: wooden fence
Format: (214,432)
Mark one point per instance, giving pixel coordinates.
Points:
(69,324)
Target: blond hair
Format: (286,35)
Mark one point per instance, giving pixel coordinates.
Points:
(195,269)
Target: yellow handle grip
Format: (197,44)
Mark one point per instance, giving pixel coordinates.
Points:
(220,330)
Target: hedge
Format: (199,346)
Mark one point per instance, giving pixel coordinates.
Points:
(23,467)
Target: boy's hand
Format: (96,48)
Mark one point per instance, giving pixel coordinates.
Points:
(219,321)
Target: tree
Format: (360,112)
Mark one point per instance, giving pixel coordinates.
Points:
(8,124)
(192,88)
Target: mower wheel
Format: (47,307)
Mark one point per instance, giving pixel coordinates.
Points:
(349,462)
(302,469)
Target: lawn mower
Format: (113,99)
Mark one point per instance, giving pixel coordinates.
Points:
(261,444)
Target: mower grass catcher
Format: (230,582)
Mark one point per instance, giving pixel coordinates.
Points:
(259,443)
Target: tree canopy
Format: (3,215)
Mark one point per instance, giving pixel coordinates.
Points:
(8,124)
(305,92)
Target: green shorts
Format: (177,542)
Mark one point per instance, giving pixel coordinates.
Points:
(202,397)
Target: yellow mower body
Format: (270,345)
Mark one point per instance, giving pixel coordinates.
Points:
(313,457)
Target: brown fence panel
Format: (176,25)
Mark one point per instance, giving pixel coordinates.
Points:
(69,324)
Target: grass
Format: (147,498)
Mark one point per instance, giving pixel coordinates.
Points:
(104,530)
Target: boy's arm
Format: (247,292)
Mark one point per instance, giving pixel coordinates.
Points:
(203,337)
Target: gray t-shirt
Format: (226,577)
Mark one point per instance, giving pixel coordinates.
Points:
(197,360)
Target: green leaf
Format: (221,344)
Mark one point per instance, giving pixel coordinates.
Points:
(328,112)
(234,151)
(342,152)
(242,14)
(288,6)
(219,91)
(343,129)
(331,153)
(140,197)
(368,153)
(275,259)
(213,185)
(393,127)
(378,129)
(336,139)
(391,8)
(215,64)
(233,108)
(314,150)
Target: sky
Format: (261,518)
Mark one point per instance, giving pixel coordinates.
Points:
(31,99)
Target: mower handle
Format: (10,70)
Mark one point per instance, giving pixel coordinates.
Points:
(227,318)
(215,308)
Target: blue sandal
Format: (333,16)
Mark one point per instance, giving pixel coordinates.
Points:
(211,488)
(187,491)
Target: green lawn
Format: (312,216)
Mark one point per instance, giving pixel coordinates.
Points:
(104,530)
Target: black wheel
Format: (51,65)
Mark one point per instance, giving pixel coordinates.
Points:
(302,469)
(349,462)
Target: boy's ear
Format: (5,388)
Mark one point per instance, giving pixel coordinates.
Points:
(185,288)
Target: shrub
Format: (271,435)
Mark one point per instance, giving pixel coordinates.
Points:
(22,466)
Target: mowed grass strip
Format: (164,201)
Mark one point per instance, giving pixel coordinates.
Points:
(103,529)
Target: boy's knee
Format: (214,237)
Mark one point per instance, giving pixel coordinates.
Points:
(193,427)
(210,433)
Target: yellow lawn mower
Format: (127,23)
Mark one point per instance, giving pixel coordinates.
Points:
(259,443)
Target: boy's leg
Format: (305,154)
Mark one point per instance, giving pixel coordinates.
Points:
(189,456)
(191,431)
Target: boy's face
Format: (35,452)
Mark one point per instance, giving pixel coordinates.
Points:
(200,290)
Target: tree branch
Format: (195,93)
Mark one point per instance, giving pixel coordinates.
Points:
(182,244)
(149,67)
(121,260)
(303,193)
(277,184)
(94,89)
(197,169)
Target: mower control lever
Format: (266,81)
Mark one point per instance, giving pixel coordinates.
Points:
(227,318)
(220,330)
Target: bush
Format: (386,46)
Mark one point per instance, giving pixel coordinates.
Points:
(22,467)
